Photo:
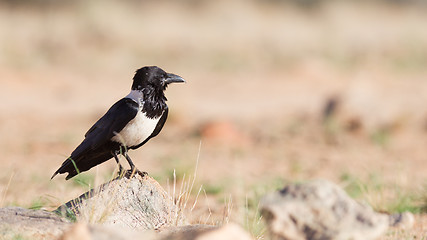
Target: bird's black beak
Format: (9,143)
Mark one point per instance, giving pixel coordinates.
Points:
(173,78)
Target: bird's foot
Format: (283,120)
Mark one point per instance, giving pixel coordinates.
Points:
(132,172)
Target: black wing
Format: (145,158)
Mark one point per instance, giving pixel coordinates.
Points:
(108,125)
(99,134)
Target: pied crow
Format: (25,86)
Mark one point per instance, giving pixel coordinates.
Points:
(128,124)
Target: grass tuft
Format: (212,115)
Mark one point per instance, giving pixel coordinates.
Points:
(182,196)
(382,197)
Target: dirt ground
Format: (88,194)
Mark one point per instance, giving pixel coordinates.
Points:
(253,115)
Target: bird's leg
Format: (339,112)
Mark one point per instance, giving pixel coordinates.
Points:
(132,166)
(133,169)
(118,162)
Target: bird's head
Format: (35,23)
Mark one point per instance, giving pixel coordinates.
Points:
(154,78)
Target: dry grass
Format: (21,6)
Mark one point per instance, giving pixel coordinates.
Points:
(265,70)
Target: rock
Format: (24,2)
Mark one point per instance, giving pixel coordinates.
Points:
(405,220)
(136,202)
(78,231)
(81,231)
(16,222)
(111,211)
(320,210)
(230,231)
(186,232)
(131,207)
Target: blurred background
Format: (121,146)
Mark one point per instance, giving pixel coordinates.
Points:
(277,91)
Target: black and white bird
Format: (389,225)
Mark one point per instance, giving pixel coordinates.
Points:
(128,124)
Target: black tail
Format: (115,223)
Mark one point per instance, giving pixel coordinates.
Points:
(77,164)
(69,166)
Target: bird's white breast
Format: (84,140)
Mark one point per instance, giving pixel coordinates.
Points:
(137,130)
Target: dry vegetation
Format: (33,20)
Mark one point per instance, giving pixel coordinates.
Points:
(259,79)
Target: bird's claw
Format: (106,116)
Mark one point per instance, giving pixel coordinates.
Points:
(132,172)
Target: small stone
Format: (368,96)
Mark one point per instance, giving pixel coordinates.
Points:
(223,132)
(405,220)
(78,231)
(230,231)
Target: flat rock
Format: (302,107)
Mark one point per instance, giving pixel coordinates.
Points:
(30,224)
